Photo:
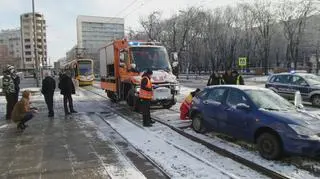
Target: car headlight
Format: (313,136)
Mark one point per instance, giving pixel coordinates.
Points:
(302,130)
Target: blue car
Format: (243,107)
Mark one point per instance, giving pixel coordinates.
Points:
(257,115)
(286,84)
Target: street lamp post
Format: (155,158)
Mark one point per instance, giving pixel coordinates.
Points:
(35,44)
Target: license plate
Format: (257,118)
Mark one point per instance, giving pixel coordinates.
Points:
(161,93)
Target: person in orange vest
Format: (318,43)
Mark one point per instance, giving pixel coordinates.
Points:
(185,106)
(145,96)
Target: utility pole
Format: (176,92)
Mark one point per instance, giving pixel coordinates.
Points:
(317,58)
(35,44)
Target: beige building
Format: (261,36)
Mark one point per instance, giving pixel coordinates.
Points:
(7,59)
(11,39)
(29,42)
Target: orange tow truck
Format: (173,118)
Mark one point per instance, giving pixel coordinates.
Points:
(122,64)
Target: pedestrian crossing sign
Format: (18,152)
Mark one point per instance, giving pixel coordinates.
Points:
(242,61)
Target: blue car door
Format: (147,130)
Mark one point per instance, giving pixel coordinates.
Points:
(212,107)
(300,84)
(239,122)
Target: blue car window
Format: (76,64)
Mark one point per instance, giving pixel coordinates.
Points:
(217,94)
(236,97)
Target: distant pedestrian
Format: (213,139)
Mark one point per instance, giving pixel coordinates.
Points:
(227,77)
(145,96)
(215,79)
(22,112)
(186,105)
(10,86)
(48,87)
(237,78)
(67,89)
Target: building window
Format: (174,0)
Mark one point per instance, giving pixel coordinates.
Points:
(26,15)
(26,40)
(28,46)
(28,59)
(28,53)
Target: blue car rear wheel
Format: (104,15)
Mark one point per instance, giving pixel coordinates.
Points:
(269,146)
(197,124)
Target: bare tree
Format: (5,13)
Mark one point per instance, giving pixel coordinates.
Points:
(152,25)
(293,15)
(264,21)
(247,39)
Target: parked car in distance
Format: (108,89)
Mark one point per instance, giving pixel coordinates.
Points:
(286,84)
(257,115)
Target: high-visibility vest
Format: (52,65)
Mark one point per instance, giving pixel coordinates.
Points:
(187,101)
(238,80)
(144,94)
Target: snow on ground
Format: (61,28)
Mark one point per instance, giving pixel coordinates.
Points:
(177,161)
(278,166)
(124,168)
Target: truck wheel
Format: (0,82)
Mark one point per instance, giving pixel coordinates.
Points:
(130,98)
(111,96)
(133,101)
(169,104)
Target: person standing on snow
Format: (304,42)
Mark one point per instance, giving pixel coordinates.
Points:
(227,77)
(10,87)
(67,89)
(215,79)
(145,96)
(237,78)
(48,87)
(186,104)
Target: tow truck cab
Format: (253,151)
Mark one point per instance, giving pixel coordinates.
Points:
(122,64)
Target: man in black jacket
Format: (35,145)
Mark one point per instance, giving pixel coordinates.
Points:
(215,79)
(67,89)
(48,87)
(10,87)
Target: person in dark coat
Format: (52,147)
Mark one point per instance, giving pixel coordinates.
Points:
(145,96)
(10,87)
(237,78)
(48,87)
(227,77)
(215,79)
(67,89)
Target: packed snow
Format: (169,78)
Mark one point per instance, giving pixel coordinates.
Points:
(179,156)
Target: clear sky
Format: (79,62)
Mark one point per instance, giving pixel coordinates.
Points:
(61,15)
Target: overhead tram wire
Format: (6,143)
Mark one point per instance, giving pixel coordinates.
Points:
(142,4)
(128,6)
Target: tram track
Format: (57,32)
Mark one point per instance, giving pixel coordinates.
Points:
(125,112)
